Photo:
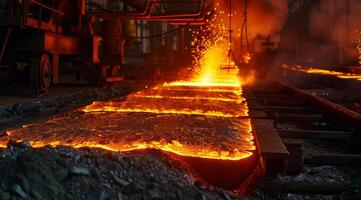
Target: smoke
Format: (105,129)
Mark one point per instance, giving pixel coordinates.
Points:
(337,22)
(265,17)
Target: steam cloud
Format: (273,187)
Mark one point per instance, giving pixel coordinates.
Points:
(338,22)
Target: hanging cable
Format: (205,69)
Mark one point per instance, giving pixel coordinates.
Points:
(244,30)
(230,31)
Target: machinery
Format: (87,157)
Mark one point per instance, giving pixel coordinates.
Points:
(41,37)
(37,34)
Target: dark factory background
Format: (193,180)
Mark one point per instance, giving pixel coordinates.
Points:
(180,99)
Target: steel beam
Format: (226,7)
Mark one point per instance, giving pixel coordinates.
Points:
(273,152)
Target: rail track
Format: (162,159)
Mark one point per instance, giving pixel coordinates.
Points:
(326,132)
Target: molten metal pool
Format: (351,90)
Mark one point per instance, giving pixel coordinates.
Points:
(200,124)
(186,122)
(203,122)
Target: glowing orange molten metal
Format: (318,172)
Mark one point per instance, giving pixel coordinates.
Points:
(226,138)
(173,146)
(206,119)
(212,92)
(341,75)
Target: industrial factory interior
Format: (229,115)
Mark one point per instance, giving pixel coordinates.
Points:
(180,99)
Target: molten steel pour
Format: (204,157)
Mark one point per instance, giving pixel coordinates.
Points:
(193,119)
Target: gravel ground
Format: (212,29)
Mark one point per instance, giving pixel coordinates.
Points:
(65,173)
(316,182)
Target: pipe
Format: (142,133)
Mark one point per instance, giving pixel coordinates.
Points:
(147,11)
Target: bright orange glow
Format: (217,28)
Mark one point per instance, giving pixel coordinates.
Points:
(168,111)
(173,146)
(168,87)
(188,103)
(341,75)
(214,70)
(219,83)
(102,130)
(194,98)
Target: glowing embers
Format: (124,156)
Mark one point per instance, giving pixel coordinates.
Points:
(196,136)
(187,102)
(310,70)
